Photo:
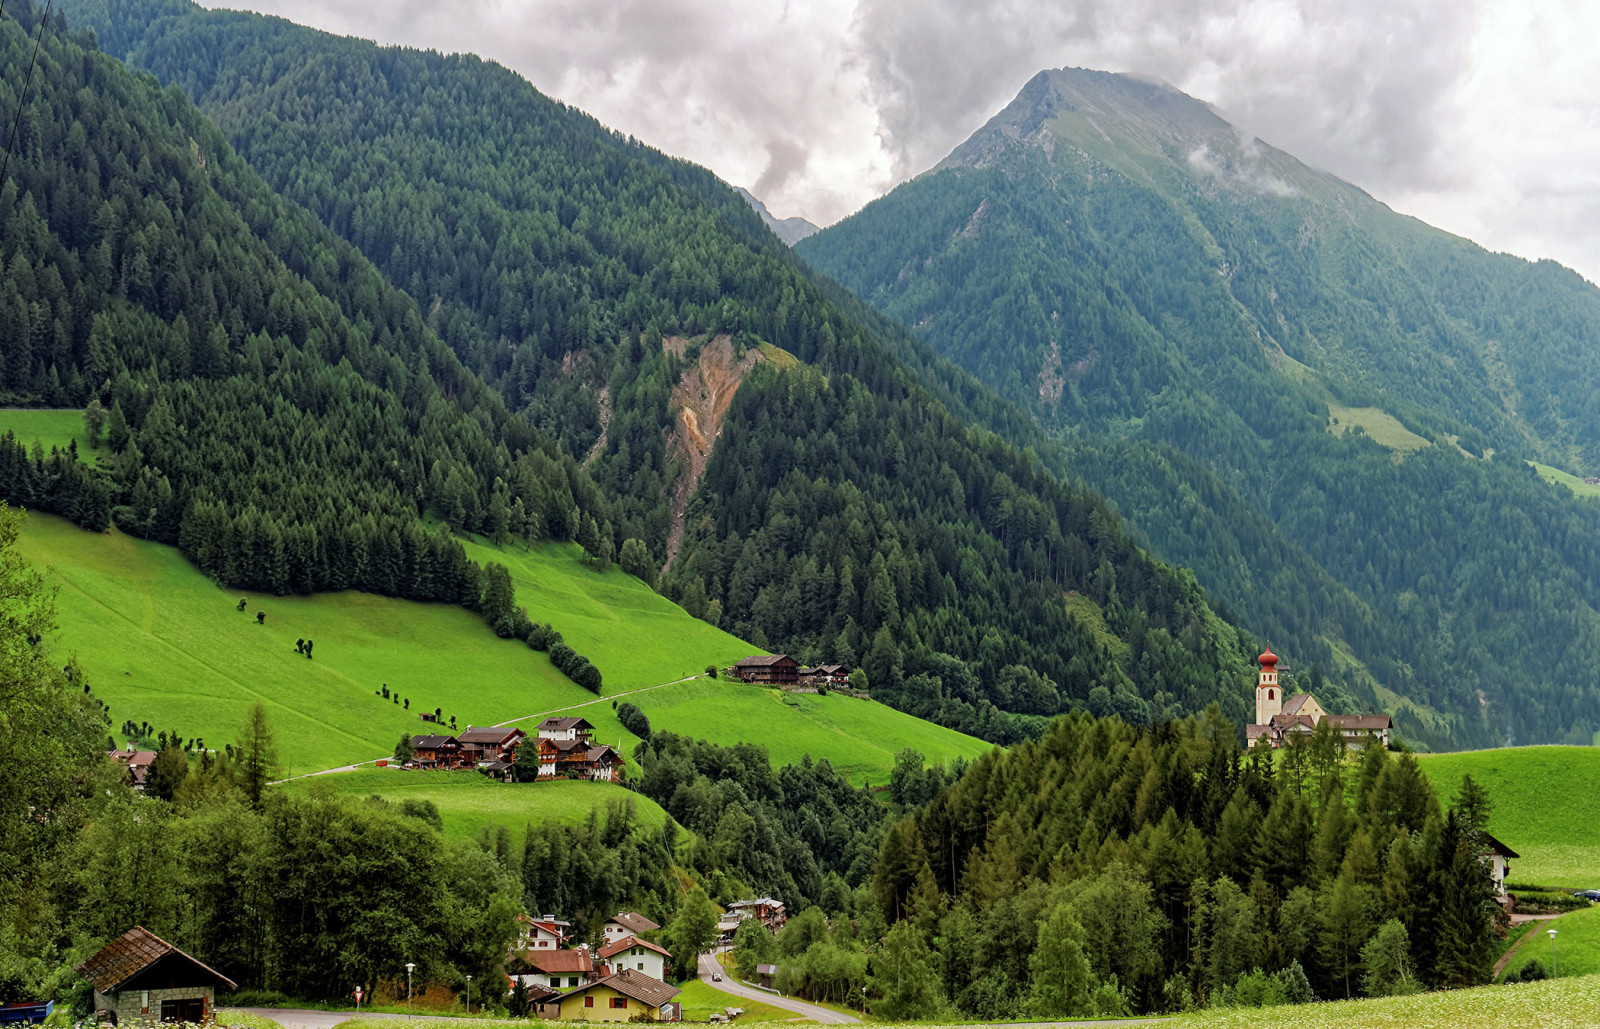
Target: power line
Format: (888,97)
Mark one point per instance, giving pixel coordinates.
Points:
(22,101)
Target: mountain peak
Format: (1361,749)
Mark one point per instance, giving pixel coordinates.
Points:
(1137,124)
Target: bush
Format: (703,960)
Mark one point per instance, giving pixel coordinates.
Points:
(634,720)
(1531,972)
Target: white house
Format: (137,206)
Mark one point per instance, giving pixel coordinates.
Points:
(628,923)
(637,955)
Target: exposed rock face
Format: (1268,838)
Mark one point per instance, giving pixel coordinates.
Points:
(790,230)
(702,398)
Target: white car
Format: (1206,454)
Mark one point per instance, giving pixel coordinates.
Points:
(716,977)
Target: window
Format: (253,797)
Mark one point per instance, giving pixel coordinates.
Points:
(619,1002)
(572,980)
(1270,693)
(588,1002)
(641,966)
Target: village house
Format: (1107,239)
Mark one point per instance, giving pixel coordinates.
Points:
(630,952)
(627,996)
(136,765)
(1499,857)
(545,933)
(435,751)
(140,977)
(481,746)
(1278,720)
(562,969)
(628,923)
(765,910)
(778,670)
(567,748)
(825,675)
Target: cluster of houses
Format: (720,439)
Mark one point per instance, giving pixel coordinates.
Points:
(566,749)
(765,910)
(782,670)
(624,981)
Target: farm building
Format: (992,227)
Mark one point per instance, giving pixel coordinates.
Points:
(140,977)
(435,751)
(779,670)
(493,743)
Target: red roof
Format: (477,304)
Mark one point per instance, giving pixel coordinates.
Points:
(561,961)
(1268,659)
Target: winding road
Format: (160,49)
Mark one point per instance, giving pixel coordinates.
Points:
(709,967)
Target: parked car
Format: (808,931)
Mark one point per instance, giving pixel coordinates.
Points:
(1590,895)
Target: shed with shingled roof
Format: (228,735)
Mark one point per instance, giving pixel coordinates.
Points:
(140,976)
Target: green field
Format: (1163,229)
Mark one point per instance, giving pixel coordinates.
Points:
(858,737)
(635,636)
(1577,944)
(1567,479)
(1543,807)
(163,644)
(50,428)
(468,801)
(1383,428)
(1565,1003)
(700,1000)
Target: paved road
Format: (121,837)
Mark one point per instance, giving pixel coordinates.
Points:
(708,966)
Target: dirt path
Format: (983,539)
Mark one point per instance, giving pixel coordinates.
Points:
(1505,959)
(508,721)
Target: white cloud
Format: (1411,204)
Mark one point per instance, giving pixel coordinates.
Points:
(1479,116)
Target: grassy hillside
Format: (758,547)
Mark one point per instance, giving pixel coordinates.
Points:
(165,645)
(1543,807)
(50,428)
(1558,477)
(468,801)
(1577,944)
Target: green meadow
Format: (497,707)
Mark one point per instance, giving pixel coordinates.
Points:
(1543,807)
(1565,1003)
(1384,428)
(163,644)
(468,801)
(858,737)
(1576,949)
(49,428)
(1558,477)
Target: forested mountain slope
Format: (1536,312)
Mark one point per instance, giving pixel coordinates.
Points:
(847,511)
(1280,381)
(272,405)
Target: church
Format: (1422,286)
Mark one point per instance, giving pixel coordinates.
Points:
(1277,720)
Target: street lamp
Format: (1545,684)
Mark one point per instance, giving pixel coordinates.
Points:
(409,967)
(469,994)
(1554,969)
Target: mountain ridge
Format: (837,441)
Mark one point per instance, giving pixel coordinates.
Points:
(1146,281)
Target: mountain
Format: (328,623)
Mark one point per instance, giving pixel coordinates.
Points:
(801,472)
(1323,407)
(790,230)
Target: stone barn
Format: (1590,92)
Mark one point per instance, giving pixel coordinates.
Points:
(140,977)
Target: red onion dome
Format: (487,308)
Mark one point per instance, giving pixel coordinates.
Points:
(1268,659)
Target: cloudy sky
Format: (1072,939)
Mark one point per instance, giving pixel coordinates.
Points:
(1479,116)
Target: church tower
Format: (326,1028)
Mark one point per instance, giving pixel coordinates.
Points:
(1269,698)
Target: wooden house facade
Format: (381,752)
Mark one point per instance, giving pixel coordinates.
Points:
(768,670)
